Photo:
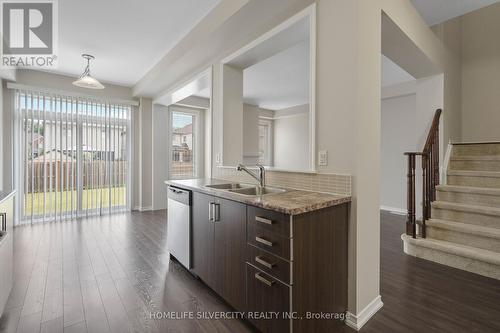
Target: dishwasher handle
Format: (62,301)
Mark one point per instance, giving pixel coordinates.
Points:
(179,195)
(175,190)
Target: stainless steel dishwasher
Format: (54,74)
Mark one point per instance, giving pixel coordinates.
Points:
(179,225)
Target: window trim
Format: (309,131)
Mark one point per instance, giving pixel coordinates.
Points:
(268,159)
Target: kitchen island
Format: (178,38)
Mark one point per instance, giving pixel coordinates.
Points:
(281,255)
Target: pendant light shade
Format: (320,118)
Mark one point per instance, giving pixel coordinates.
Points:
(86,80)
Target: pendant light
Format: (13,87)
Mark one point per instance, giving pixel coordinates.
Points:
(86,80)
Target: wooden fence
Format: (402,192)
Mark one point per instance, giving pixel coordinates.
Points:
(62,175)
(181,170)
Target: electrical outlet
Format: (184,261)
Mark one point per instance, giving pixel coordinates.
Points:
(323,158)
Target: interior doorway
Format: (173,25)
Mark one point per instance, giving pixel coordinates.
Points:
(182,134)
(412,89)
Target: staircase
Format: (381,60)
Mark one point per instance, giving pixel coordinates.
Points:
(464,228)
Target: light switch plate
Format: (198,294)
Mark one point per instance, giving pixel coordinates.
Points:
(323,158)
(217,158)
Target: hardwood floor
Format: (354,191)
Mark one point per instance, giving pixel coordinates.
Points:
(112,274)
(423,296)
(107,274)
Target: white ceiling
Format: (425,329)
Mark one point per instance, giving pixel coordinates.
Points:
(282,40)
(392,73)
(199,86)
(279,82)
(127,37)
(205,93)
(437,11)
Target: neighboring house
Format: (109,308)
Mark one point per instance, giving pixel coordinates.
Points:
(183,135)
(182,144)
(97,140)
(37,142)
(54,155)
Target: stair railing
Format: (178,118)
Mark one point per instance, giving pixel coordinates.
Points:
(430,178)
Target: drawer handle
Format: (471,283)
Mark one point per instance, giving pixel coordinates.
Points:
(4,221)
(260,260)
(263,241)
(263,220)
(262,279)
(216,212)
(211,212)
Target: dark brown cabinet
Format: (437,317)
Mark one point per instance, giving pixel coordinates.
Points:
(297,268)
(266,294)
(269,263)
(261,261)
(218,246)
(269,241)
(203,233)
(229,251)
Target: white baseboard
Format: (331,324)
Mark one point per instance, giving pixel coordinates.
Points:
(394,210)
(358,321)
(143,209)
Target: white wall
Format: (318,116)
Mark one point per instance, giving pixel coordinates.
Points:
(143,156)
(251,115)
(160,143)
(291,138)
(423,97)
(430,97)
(473,39)
(64,82)
(481,74)
(398,136)
(232,114)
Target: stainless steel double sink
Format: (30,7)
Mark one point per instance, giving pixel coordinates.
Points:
(246,189)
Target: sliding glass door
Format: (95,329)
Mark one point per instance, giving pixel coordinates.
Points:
(73,156)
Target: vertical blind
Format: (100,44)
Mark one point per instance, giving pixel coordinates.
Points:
(73,156)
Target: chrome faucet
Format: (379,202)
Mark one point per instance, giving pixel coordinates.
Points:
(261,177)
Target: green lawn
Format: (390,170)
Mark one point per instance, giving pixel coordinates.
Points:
(61,201)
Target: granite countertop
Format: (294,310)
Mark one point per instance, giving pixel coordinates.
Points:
(5,194)
(291,202)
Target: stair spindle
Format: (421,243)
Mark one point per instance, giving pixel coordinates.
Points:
(430,178)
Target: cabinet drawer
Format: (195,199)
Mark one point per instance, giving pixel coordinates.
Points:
(269,220)
(267,295)
(269,263)
(268,241)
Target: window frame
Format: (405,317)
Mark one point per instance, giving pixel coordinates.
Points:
(198,138)
(268,158)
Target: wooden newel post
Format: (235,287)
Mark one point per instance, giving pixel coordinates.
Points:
(411,229)
(436,164)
